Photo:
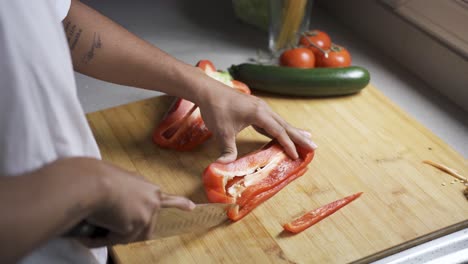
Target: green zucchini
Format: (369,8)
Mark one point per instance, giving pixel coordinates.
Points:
(302,82)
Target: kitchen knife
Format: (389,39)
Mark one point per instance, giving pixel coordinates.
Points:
(170,222)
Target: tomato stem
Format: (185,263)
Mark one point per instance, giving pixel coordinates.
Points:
(335,47)
(311,33)
(314,45)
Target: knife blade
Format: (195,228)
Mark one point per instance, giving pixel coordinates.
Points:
(170,222)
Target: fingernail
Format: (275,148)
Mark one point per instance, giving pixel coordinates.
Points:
(192,205)
(221,159)
(224,159)
(312,144)
(294,155)
(306,133)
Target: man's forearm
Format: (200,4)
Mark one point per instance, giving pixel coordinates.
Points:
(102,49)
(41,205)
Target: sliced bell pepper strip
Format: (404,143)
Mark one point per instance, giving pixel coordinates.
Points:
(254,178)
(311,218)
(182,128)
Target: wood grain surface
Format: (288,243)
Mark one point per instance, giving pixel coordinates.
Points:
(366,144)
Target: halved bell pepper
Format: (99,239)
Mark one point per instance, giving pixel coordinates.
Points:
(254,178)
(182,128)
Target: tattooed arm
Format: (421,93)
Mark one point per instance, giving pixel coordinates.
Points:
(104,50)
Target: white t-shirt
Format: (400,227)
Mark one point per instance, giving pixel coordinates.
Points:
(41,119)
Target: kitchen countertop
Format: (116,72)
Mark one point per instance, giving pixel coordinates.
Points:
(190,30)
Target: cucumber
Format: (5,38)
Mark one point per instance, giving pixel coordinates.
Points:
(302,82)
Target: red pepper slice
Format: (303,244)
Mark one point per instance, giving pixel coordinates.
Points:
(182,128)
(311,218)
(254,178)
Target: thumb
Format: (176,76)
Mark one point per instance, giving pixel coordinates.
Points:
(229,149)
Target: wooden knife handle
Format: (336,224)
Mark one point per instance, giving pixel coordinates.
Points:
(85,229)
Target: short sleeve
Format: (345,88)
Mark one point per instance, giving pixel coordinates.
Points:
(62,7)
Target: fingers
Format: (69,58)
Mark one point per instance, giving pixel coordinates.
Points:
(229,149)
(298,136)
(277,131)
(169,200)
(261,131)
(305,133)
(287,135)
(301,138)
(141,231)
(148,230)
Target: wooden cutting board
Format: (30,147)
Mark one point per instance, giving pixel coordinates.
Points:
(366,144)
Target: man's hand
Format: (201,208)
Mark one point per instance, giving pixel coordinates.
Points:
(226,112)
(130,208)
(49,201)
(106,51)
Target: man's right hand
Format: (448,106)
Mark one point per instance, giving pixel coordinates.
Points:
(45,203)
(129,204)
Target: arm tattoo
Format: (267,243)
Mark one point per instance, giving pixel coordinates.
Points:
(73,35)
(96,44)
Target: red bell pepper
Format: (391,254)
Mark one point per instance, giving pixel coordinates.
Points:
(252,179)
(182,128)
(311,218)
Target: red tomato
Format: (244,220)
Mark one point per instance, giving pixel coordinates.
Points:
(298,58)
(319,38)
(337,57)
